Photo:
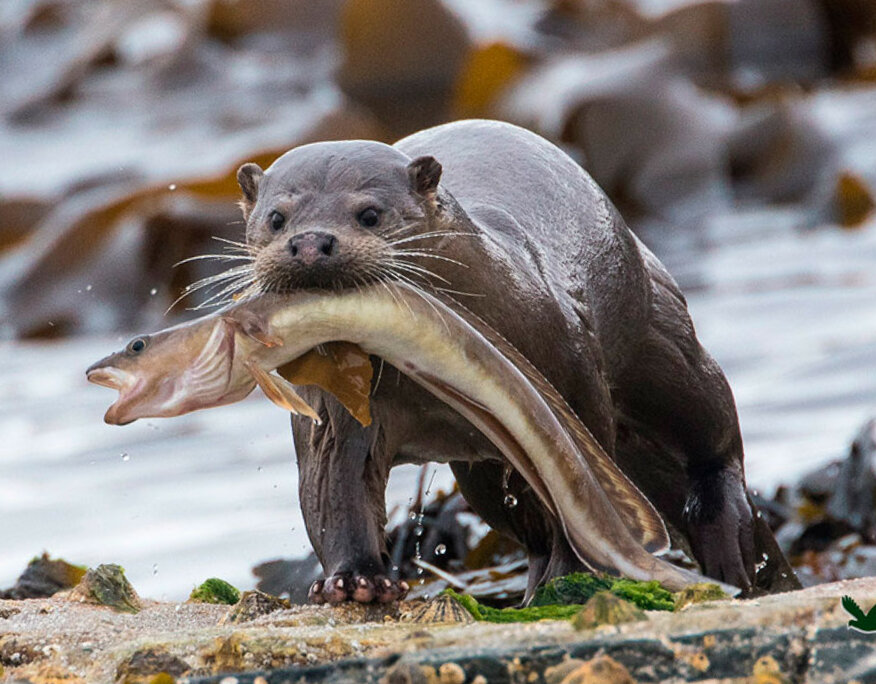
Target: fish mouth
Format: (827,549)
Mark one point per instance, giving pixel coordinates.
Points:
(117,379)
(107,376)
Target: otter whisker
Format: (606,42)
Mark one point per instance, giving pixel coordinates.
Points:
(379,377)
(422,295)
(423,236)
(216,257)
(239,245)
(378,275)
(220,298)
(459,292)
(414,268)
(244,271)
(218,278)
(405,227)
(427,255)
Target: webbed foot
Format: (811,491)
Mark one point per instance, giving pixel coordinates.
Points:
(359,588)
(721,528)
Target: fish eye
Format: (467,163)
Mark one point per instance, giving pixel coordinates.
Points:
(136,345)
(277,221)
(368,218)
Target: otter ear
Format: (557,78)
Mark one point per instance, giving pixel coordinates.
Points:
(249,176)
(424,174)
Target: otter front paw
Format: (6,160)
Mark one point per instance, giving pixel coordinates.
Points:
(721,528)
(360,588)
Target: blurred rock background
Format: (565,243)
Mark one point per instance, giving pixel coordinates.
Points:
(738,138)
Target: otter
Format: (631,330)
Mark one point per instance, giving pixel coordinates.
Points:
(510,227)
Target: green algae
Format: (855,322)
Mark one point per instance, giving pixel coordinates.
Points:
(562,597)
(484,613)
(215,590)
(579,587)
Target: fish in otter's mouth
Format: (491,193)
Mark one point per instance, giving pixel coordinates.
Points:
(221,357)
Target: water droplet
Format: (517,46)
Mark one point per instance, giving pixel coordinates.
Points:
(276,486)
(418,530)
(412,515)
(125,456)
(172,186)
(440,550)
(155,568)
(88,288)
(259,468)
(510,501)
(153,291)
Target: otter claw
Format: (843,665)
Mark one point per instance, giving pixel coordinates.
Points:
(315,593)
(358,588)
(363,590)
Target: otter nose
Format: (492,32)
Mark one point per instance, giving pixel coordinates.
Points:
(310,246)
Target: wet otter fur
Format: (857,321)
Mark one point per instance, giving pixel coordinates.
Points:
(521,235)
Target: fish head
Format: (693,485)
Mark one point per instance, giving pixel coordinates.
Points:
(168,373)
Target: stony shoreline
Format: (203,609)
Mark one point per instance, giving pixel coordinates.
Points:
(794,637)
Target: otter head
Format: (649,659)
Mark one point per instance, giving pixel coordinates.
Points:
(330,214)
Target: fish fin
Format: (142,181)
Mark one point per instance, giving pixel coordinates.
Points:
(343,370)
(254,326)
(281,392)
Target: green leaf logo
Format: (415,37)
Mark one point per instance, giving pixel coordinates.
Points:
(860,621)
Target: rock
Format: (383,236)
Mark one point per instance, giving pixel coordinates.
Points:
(106,585)
(557,673)
(767,671)
(405,673)
(252,604)
(600,670)
(604,608)
(15,650)
(143,664)
(441,609)
(44,577)
(46,673)
(854,200)
(699,593)
(451,673)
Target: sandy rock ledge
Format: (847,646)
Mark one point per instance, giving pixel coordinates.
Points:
(795,637)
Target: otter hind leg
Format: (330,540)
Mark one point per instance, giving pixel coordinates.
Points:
(678,397)
(342,482)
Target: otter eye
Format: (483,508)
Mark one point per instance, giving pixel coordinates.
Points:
(368,217)
(277,221)
(136,345)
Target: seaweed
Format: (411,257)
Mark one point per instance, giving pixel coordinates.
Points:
(579,587)
(215,590)
(562,597)
(484,613)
